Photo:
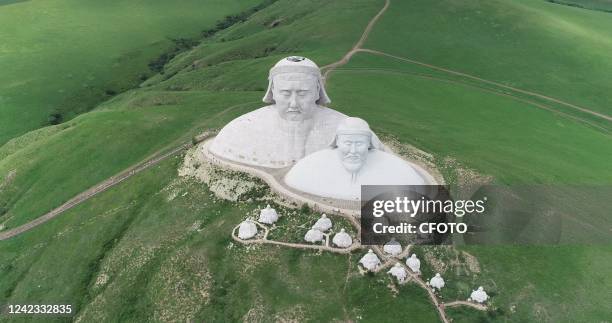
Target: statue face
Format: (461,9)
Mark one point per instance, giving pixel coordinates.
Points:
(353,151)
(295,96)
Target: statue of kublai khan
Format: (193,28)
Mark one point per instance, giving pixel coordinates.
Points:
(354,158)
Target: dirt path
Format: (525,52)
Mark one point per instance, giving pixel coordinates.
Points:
(387,262)
(86,195)
(112,181)
(390,261)
(358,45)
(466,303)
(265,240)
(480,88)
(538,95)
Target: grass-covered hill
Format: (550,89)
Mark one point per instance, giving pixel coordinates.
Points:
(60,58)
(158,247)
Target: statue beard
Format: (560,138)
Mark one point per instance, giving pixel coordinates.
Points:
(353,164)
(295,132)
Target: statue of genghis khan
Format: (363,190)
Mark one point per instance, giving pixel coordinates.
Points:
(295,124)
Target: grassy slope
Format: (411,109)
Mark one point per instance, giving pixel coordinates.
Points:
(495,134)
(158,267)
(132,126)
(533,45)
(602,5)
(138,238)
(63,55)
(511,140)
(101,143)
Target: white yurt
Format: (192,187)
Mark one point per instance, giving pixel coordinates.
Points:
(414,263)
(247,229)
(323,224)
(342,239)
(370,261)
(393,247)
(479,295)
(437,282)
(313,236)
(268,215)
(398,272)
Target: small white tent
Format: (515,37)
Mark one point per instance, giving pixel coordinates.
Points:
(414,263)
(323,224)
(313,236)
(437,282)
(268,215)
(370,261)
(247,229)
(399,272)
(342,239)
(393,247)
(479,295)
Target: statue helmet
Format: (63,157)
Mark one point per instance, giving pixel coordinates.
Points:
(356,126)
(296,64)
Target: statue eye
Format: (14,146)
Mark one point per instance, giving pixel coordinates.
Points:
(285,92)
(302,93)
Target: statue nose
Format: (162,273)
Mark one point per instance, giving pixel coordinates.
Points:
(293,102)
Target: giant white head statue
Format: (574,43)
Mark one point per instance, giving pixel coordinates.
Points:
(353,141)
(295,88)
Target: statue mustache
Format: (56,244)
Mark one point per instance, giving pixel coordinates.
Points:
(294,110)
(352,157)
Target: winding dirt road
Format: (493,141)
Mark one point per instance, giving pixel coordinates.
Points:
(110,182)
(357,47)
(86,195)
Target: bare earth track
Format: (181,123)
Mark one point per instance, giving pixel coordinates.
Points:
(86,195)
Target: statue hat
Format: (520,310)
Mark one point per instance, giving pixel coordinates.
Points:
(356,126)
(296,64)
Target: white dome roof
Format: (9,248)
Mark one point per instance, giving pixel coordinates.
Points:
(313,236)
(414,263)
(393,247)
(479,295)
(247,229)
(268,215)
(437,282)
(342,239)
(370,261)
(323,224)
(398,272)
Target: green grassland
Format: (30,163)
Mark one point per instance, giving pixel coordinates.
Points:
(66,56)
(525,144)
(159,248)
(533,45)
(164,253)
(602,5)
